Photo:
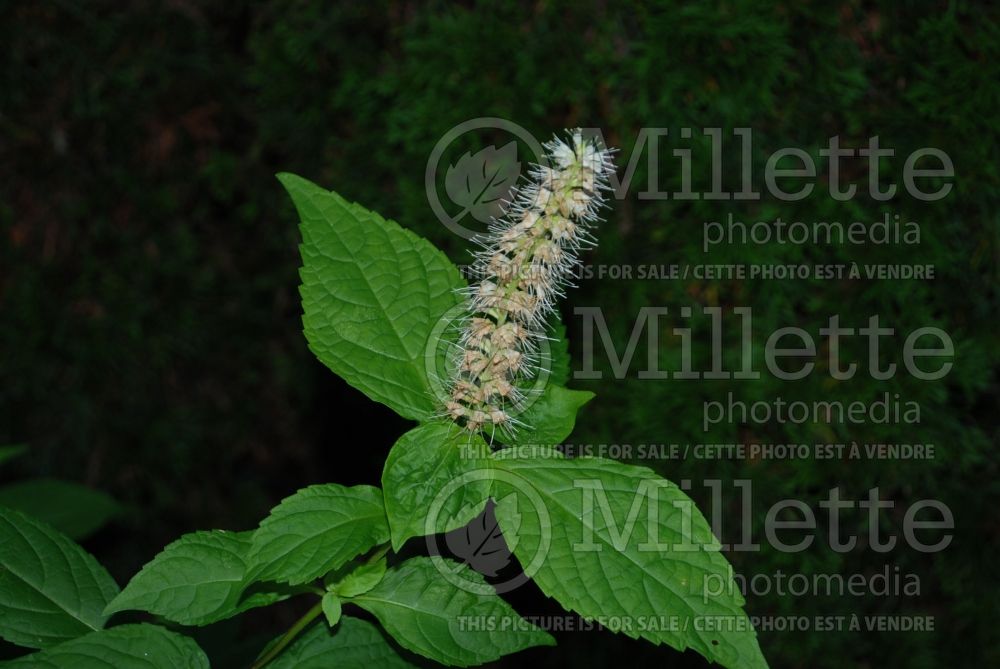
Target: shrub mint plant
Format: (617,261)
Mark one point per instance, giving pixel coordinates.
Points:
(482,370)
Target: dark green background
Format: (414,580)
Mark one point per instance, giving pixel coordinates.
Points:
(150,323)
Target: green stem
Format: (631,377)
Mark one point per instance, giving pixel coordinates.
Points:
(379,554)
(307,617)
(289,636)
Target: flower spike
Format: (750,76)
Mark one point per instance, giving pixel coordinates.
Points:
(526,260)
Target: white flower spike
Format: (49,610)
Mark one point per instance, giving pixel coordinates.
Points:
(527,258)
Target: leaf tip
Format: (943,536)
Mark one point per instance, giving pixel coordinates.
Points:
(289,180)
(397,540)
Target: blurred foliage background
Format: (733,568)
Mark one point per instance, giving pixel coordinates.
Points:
(151,340)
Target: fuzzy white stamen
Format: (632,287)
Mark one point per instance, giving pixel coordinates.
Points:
(527,258)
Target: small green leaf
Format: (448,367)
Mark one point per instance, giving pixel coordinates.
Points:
(620,542)
(317,530)
(360,579)
(196,580)
(432,617)
(51,590)
(125,647)
(372,293)
(331,608)
(423,477)
(551,418)
(75,510)
(352,644)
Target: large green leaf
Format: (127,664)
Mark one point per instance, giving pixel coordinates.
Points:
(430,616)
(75,510)
(51,590)
(606,554)
(124,647)
(317,530)
(428,472)
(371,294)
(352,644)
(196,580)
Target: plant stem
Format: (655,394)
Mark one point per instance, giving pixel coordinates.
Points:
(307,617)
(289,636)
(379,554)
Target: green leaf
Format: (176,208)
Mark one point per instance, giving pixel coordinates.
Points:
(196,580)
(73,509)
(551,418)
(372,293)
(428,461)
(361,579)
(125,647)
(432,617)
(51,590)
(331,608)
(317,530)
(645,571)
(352,644)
